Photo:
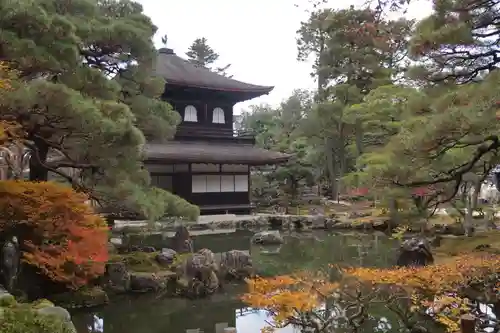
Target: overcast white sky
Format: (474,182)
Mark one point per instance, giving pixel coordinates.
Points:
(256,37)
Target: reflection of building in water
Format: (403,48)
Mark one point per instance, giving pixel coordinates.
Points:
(219,328)
(245,311)
(97,326)
(224,326)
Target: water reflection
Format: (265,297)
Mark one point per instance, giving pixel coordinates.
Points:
(147,314)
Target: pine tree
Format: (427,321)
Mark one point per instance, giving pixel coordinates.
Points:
(201,54)
(86,94)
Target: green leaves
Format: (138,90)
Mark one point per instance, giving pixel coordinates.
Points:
(89,94)
(282,129)
(434,139)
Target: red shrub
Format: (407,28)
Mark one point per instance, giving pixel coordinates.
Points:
(58,231)
(359,192)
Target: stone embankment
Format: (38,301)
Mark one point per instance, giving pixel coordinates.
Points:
(337,221)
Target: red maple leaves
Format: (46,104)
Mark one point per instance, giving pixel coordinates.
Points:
(60,234)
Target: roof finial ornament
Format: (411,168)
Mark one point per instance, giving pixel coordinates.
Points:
(164,40)
(165,49)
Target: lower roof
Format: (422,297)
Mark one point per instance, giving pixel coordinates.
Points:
(211,152)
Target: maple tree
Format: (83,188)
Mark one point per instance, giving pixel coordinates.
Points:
(416,295)
(58,232)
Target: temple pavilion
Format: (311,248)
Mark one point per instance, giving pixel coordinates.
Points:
(208,162)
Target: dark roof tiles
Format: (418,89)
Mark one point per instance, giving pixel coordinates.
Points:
(176,70)
(205,152)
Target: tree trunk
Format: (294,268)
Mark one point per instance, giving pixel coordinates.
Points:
(342,160)
(37,160)
(393,214)
(359,138)
(331,167)
(469,209)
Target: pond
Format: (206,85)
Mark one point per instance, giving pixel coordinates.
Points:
(152,314)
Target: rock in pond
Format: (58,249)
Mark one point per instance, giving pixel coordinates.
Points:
(415,252)
(182,242)
(197,274)
(166,257)
(270,237)
(146,282)
(118,276)
(235,264)
(319,222)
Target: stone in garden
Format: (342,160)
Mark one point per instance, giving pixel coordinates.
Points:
(236,264)
(415,252)
(144,282)
(197,274)
(318,222)
(118,276)
(270,237)
(166,257)
(182,242)
(60,313)
(148,249)
(9,264)
(6,299)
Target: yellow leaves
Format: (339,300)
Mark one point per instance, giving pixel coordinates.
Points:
(380,212)
(434,278)
(6,76)
(400,231)
(434,288)
(288,296)
(9,132)
(262,285)
(450,324)
(268,329)
(431,290)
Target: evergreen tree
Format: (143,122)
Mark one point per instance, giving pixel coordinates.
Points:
(354,52)
(201,54)
(87,96)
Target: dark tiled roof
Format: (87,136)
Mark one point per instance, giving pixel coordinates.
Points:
(176,70)
(205,152)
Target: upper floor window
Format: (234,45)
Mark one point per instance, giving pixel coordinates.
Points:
(218,116)
(190,114)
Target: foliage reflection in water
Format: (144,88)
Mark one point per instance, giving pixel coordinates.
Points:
(148,314)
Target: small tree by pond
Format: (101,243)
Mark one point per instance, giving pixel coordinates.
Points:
(419,297)
(57,231)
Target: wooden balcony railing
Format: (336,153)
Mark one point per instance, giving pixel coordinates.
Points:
(214,134)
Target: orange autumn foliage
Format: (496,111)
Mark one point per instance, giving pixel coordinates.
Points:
(439,288)
(434,279)
(7,75)
(287,296)
(434,288)
(9,130)
(58,231)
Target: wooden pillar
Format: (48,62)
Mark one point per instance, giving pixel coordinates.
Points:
(467,324)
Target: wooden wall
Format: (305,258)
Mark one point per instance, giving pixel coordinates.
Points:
(179,180)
